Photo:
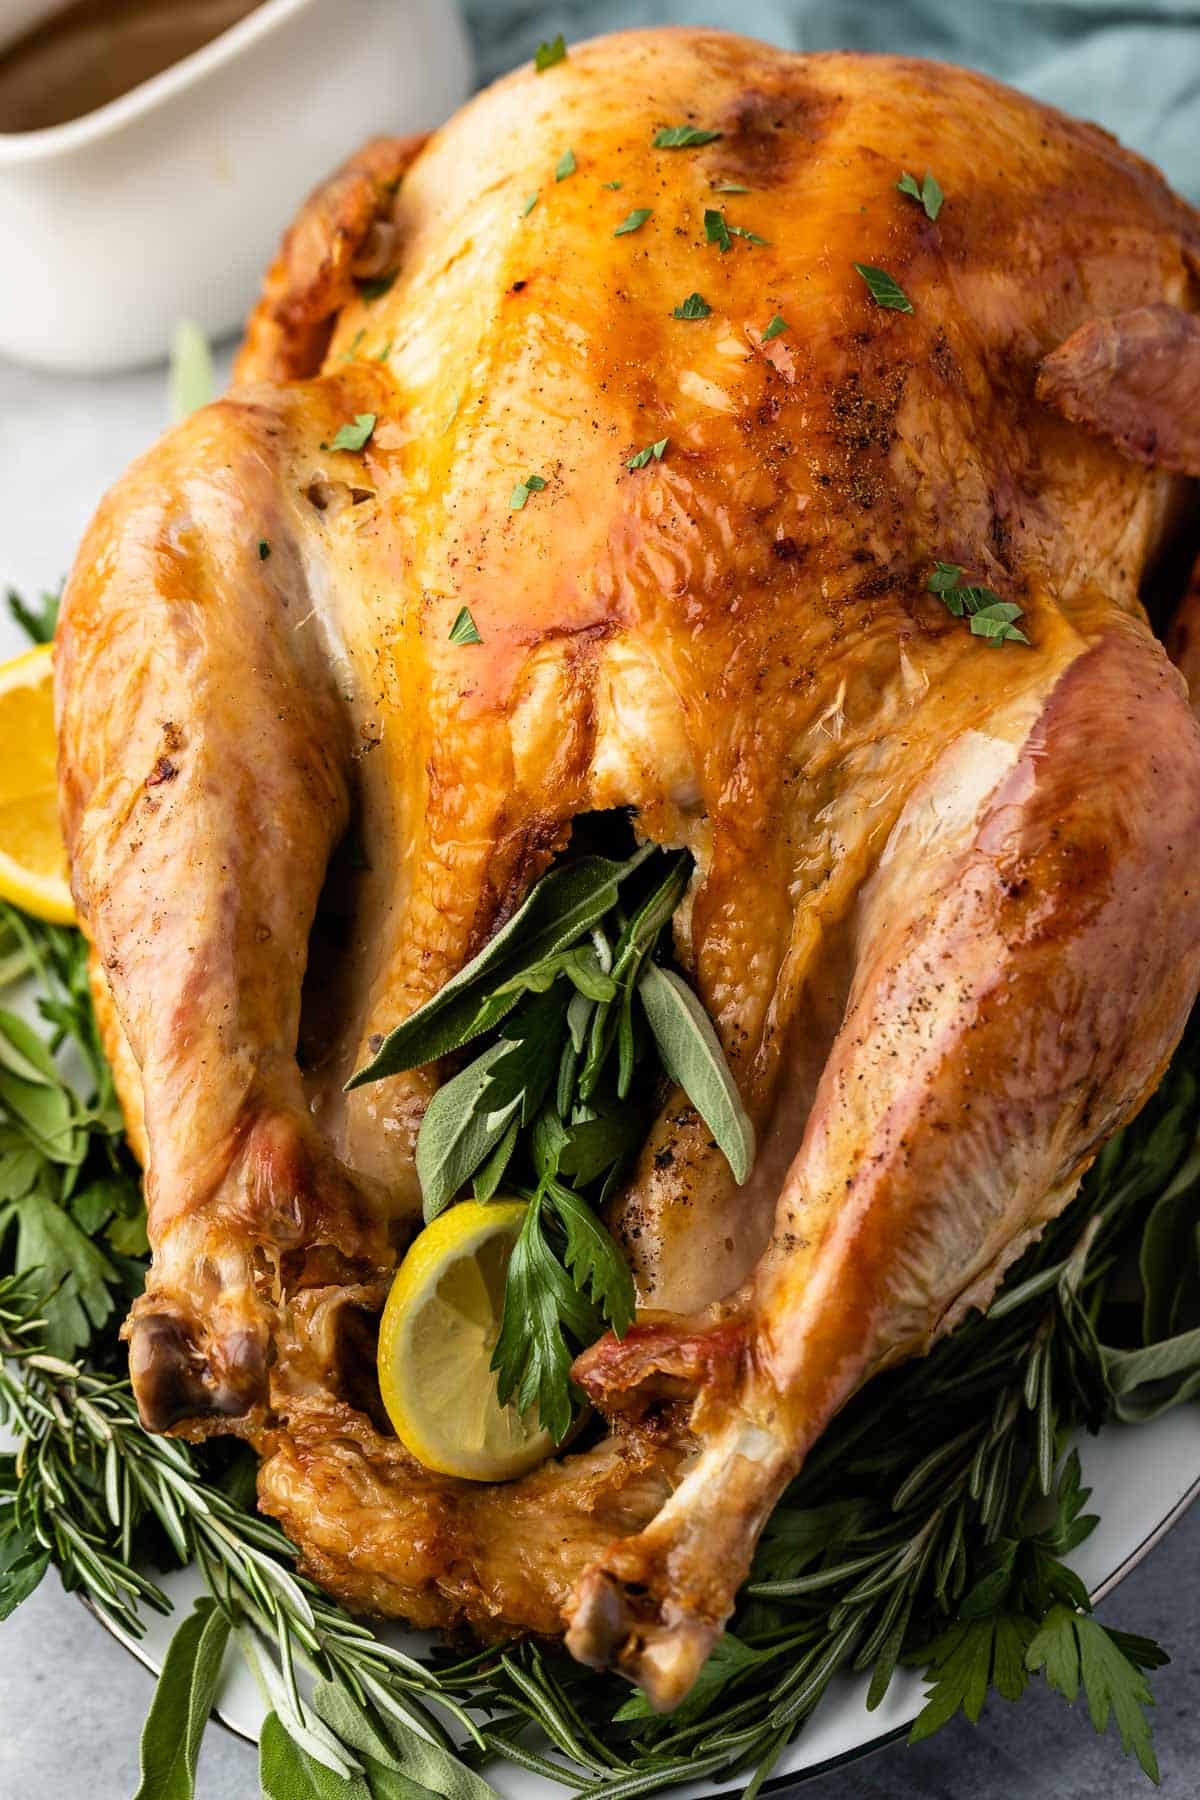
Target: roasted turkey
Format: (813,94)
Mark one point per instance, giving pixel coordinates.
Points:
(946,905)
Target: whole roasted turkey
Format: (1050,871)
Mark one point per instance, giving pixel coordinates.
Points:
(946,908)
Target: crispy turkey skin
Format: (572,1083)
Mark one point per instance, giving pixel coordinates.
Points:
(945,915)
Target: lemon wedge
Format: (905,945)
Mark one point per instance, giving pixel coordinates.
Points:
(436,1338)
(33,863)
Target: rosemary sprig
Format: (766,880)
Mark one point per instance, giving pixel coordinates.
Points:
(85,1481)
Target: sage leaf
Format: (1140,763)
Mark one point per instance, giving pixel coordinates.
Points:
(634,945)
(1149,1381)
(581,966)
(182,1704)
(400,1748)
(692,1056)
(287,1772)
(562,908)
(568,1068)
(457,1134)
(491,1173)
(1170,1254)
(23,1053)
(469,1116)
(579,1013)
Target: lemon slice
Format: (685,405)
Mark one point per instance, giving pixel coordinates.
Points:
(33,863)
(436,1338)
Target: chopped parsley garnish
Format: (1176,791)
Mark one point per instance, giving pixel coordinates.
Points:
(264,549)
(729,187)
(990,616)
(715,228)
(375,286)
(642,457)
(718,232)
(694,307)
(531,201)
(612,186)
(633,221)
(546,55)
(464,629)
(683,137)
(532,484)
(385,352)
(774,329)
(354,437)
(927,193)
(566,165)
(884,289)
(349,354)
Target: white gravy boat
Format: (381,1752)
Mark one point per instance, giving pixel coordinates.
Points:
(167,202)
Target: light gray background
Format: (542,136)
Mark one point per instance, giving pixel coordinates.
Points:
(72,1700)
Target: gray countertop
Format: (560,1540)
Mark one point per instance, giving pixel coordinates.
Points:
(72,1700)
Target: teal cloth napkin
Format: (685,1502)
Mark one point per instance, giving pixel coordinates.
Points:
(1134,68)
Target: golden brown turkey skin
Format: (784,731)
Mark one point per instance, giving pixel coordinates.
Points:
(945,913)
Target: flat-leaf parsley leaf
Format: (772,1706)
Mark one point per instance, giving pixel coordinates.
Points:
(355,436)
(464,629)
(884,289)
(927,193)
(532,484)
(683,137)
(546,55)
(991,617)
(642,457)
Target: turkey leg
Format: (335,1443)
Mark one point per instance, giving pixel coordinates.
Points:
(1027,955)
(203,755)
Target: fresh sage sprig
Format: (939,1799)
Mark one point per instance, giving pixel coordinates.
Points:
(565,1004)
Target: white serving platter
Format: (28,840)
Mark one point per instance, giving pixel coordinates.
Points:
(1143,1479)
